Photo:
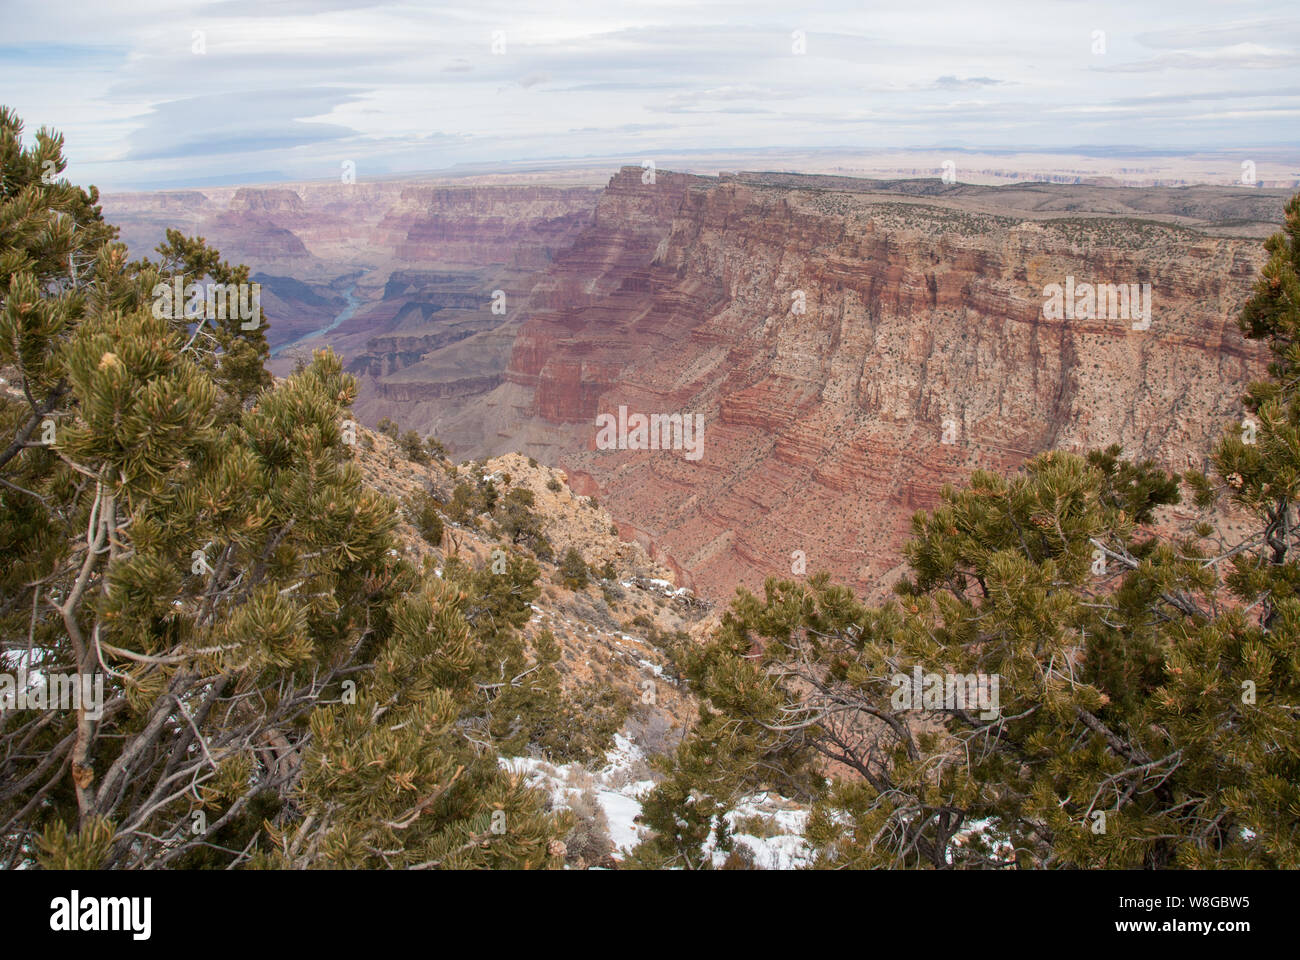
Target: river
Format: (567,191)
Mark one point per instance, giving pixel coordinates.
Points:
(344,314)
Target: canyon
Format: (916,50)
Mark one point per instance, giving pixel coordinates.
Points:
(851,345)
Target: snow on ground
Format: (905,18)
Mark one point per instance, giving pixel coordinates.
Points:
(771,853)
(785,850)
(620,795)
(621,813)
(655,583)
(615,790)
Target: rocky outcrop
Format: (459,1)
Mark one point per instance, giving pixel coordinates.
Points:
(415,391)
(480,225)
(267,202)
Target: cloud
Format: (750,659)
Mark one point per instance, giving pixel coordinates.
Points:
(1152,99)
(1241,56)
(284,8)
(56,56)
(1218,35)
(255,121)
(293,85)
(953,83)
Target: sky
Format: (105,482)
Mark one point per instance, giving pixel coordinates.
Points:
(164,93)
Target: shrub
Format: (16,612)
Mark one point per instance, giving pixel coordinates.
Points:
(542,547)
(517,519)
(413,447)
(588,842)
(461,508)
(740,858)
(422,508)
(573,569)
(758,826)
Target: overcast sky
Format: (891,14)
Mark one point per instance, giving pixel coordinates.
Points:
(290,89)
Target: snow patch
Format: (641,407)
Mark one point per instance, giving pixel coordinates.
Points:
(617,793)
(620,796)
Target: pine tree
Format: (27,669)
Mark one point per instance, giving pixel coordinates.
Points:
(423,511)
(413,447)
(407,776)
(573,569)
(198,538)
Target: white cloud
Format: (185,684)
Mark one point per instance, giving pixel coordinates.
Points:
(286,87)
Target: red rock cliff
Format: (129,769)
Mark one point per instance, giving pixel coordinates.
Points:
(922,322)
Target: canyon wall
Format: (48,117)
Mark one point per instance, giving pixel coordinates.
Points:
(854,348)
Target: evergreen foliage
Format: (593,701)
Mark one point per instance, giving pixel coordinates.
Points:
(573,569)
(413,447)
(280,687)
(425,515)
